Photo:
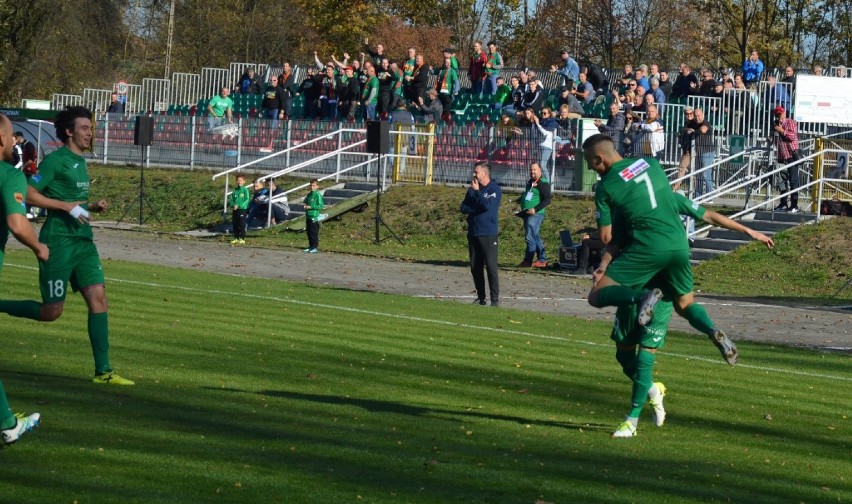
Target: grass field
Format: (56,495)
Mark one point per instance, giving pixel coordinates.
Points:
(252,391)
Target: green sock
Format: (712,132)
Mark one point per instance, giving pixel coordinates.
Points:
(99,337)
(22,309)
(698,318)
(7,418)
(619,295)
(642,381)
(627,359)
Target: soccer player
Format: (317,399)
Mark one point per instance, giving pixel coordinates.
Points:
(62,187)
(13,187)
(639,191)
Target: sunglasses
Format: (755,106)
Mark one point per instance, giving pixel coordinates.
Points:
(632,84)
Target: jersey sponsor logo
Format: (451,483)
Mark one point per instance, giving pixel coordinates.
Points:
(490,195)
(634,170)
(657,339)
(653,330)
(19,198)
(36,178)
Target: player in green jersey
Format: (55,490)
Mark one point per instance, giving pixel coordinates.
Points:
(13,190)
(62,187)
(637,345)
(639,191)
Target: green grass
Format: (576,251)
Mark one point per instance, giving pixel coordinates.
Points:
(265,391)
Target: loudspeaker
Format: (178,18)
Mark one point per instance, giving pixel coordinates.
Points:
(144,132)
(378,137)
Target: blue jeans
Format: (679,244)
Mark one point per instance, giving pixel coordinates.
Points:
(370,111)
(490,84)
(532,228)
(476,86)
(705,184)
(272,114)
(546,153)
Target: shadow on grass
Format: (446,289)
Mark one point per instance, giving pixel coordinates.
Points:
(375,406)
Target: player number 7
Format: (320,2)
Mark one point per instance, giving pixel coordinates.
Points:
(645,178)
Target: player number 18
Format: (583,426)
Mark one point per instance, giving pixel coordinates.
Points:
(56,287)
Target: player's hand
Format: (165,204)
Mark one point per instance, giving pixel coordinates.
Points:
(99,206)
(763,239)
(597,275)
(42,253)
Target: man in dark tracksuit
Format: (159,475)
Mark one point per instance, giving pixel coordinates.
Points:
(481,204)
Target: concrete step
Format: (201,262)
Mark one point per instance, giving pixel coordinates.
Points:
(727,234)
(342,193)
(796,218)
(699,254)
(771,226)
(333,200)
(717,244)
(361,186)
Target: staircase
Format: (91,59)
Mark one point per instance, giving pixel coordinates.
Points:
(721,241)
(338,199)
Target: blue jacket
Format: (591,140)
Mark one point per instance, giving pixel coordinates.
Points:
(481,208)
(752,71)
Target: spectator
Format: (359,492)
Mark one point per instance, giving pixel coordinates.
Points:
(419,79)
(705,153)
(376,56)
(654,72)
(665,84)
(789,76)
(27,154)
(590,242)
(718,87)
(492,68)
(450,53)
(248,83)
(786,138)
(517,96)
(273,102)
(370,93)
(542,136)
(641,80)
(287,83)
(258,204)
(239,200)
(476,68)
(398,90)
(481,205)
(656,92)
(313,206)
(503,96)
(708,83)
(818,70)
(220,107)
(752,70)
(533,201)
(650,140)
(524,80)
(685,84)
(596,77)
(585,91)
(685,139)
(310,89)
(448,78)
(432,112)
(387,80)
(328,93)
(569,69)
(401,114)
(566,118)
(408,67)
(534,99)
(349,91)
(575,108)
(628,73)
(614,126)
(116,106)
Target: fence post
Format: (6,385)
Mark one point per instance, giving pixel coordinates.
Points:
(106,137)
(488,146)
(239,141)
(339,146)
(192,143)
(289,140)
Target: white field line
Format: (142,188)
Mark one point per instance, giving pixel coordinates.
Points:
(445,323)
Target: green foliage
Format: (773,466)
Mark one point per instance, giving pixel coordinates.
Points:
(252,391)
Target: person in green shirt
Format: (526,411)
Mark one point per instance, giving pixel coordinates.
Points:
(503,94)
(535,198)
(492,69)
(638,190)
(220,107)
(313,205)
(370,93)
(239,200)
(447,82)
(13,190)
(62,187)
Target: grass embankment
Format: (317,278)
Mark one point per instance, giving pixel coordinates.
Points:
(810,263)
(278,392)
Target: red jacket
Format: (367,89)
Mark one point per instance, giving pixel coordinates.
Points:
(476,70)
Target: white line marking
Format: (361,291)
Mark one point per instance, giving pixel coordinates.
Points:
(446,323)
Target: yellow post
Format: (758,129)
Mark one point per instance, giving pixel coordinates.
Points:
(818,147)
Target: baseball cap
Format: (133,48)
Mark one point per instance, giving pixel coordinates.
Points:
(778,110)
(349,68)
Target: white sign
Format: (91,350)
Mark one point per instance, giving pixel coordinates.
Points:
(822,99)
(841,169)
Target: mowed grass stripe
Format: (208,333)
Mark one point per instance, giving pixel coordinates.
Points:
(400,401)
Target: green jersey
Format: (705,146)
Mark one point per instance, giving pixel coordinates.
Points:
(408,67)
(13,192)
(220,104)
(639,191)
(686,206)
(496,64)
(531,196)
(62,176)
(240,198)
(313,204)
(370,94)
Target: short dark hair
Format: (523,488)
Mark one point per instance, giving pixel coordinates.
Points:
(65,120)
(19,134)
(595,140)
(314,181)
(483,164)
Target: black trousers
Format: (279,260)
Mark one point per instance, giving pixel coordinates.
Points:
(483,255)
(790,182)
(238,220)
(313,228)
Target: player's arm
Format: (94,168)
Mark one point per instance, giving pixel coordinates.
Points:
(22,230)
(35,198)
(718,219)
(605,233)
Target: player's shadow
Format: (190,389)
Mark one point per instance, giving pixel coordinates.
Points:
(377,406)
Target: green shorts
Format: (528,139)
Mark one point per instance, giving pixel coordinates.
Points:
(627,331)
(71,260)
(636,268)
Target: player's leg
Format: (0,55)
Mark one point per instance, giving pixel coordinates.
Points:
(88,279)
(680,279)
(53,277)
(477,265)
(617,287)
(14,426)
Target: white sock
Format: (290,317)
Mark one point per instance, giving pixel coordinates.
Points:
(632,421)
(653,392)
